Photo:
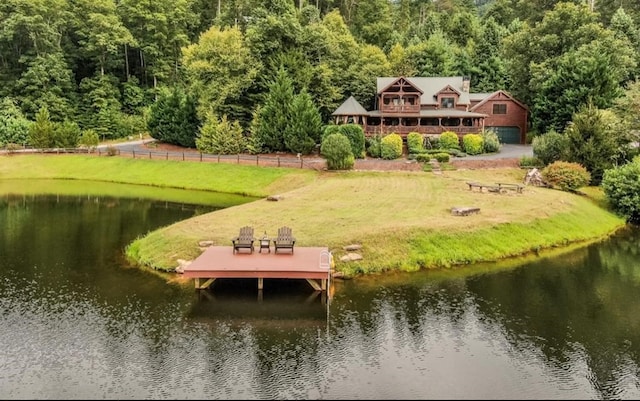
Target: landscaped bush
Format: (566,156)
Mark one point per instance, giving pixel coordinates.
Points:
(491,141)
(566,176)
(372,144)
(449,140)
(415,143)
(423,157)
(355,134)
(550,147)
(391,147)
(330,129)
(336,149)
(442,157)
(622,188)
(473,144)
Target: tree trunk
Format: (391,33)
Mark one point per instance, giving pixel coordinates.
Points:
(126,61)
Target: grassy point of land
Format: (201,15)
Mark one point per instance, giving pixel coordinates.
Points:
(401,219)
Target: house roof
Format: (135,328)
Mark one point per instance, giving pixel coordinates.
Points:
(431,113)
(350,107)
(430,86)
(476,97)
(497,93)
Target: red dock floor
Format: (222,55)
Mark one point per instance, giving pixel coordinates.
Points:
(310,263)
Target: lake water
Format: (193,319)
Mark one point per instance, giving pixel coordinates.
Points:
(76,322)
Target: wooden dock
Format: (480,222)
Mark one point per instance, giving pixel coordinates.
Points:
(312,264)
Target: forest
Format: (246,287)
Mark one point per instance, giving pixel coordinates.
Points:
(208,73)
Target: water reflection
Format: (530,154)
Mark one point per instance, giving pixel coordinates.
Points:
(76,322)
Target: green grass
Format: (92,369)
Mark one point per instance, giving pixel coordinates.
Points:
(222,177)
(401,219)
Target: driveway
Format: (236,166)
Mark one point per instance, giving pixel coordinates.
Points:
(508,151)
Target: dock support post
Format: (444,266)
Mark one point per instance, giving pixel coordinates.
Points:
(204,285)
(260,283)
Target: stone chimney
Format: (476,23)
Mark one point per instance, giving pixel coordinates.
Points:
(466,83)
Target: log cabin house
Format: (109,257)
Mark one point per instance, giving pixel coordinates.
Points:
(432,105)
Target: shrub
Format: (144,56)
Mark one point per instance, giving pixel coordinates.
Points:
(112,151)
(566,176)
(491,142)
(12,147)
(441,157)
(336,149)
(449,140)
(391,147)
(415,143)
(373,145)
(473,144)
(89,138)
(355,134)
(529,161)
(423,157)
(329,129)
(622,188)
(550,147)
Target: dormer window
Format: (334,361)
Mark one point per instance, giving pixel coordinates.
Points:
(447,102)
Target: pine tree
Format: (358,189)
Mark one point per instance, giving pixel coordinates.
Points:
(305,127)
(275,114)
(41,132)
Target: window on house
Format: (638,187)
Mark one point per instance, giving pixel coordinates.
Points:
(499,108)
(430,121)
(447,102)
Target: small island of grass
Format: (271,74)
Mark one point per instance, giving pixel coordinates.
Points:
(402,220)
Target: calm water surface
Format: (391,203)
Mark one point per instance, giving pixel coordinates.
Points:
(76,322)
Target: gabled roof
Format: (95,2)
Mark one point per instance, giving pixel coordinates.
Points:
(394,80)
(449,88)
(429,86)
(350,107)
(495,94)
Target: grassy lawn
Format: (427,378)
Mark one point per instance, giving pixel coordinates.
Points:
(401,219)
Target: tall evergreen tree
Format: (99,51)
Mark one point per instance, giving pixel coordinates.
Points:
(275,114)
(303,132)
(174,119)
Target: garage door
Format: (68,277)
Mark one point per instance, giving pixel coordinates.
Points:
(507,134)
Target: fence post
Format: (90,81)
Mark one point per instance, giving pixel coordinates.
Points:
(257,157)
(134,153)
(166,157)
(200,156)
(218,158)
(301,162)
(238,157)
(278,157)
(149,154)
(182,156)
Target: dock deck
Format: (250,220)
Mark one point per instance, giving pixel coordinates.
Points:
(309,263)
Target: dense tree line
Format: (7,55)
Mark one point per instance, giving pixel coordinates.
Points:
(265,75)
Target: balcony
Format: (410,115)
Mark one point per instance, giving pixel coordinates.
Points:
(397,108)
